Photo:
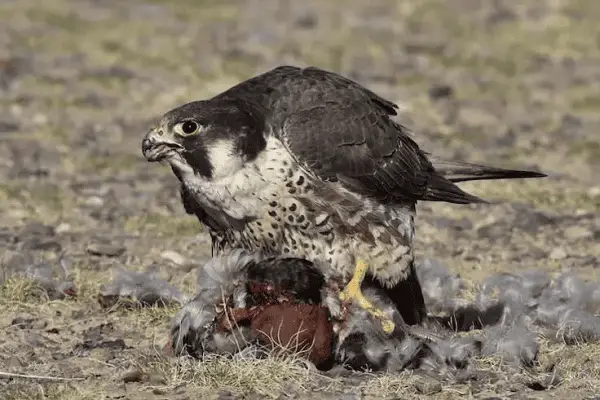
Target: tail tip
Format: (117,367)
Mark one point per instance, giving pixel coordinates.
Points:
(536,174)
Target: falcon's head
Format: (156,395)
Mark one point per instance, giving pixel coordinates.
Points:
(212,138)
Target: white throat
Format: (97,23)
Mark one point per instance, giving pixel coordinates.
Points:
(237,188)
(224,161)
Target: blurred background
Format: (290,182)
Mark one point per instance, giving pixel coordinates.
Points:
(511,83)
(506,82)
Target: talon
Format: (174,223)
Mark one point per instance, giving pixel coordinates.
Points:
(352,293)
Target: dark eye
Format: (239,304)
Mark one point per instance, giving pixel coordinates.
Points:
(189,127)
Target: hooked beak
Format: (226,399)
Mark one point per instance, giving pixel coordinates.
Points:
(155,147)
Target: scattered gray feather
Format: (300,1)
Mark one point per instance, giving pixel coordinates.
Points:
(527,301)
(515,344)
(519,288)
(193,332)
(223,276)
(145,288)
(452,358)
(193,327)
(577,326)
(440,288)
(375,350)
(53,278)
(510,309)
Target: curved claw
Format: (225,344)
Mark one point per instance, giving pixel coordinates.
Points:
(353,293)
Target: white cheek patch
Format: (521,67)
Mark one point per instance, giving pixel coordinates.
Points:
(222,157)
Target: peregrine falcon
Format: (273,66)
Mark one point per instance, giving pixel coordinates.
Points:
(304,162)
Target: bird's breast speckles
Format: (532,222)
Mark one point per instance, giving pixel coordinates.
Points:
(284,223)
(289,214)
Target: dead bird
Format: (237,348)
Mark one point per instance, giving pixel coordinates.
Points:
(278,302)
(243,299)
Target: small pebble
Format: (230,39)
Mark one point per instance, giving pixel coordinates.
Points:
(173,257)
(94,201)
(428,386)
(62,228)
(135,375)
(578,232)
(558,254)
(40,119)
(440,91)
(108,250)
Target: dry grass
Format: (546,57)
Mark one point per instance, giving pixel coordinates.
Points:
(269,377)
(280,373)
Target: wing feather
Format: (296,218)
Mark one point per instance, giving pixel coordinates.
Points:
(341,131)
(339,143)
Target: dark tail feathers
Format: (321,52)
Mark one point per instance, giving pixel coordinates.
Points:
(442,185)
(456,171)
(441,189)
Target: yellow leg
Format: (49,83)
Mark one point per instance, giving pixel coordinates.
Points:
(352,292)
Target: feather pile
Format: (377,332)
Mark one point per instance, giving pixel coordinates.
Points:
(246,304)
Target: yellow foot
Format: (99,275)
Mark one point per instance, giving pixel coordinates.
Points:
(352,293)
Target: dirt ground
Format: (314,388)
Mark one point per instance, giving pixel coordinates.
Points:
(510,83)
